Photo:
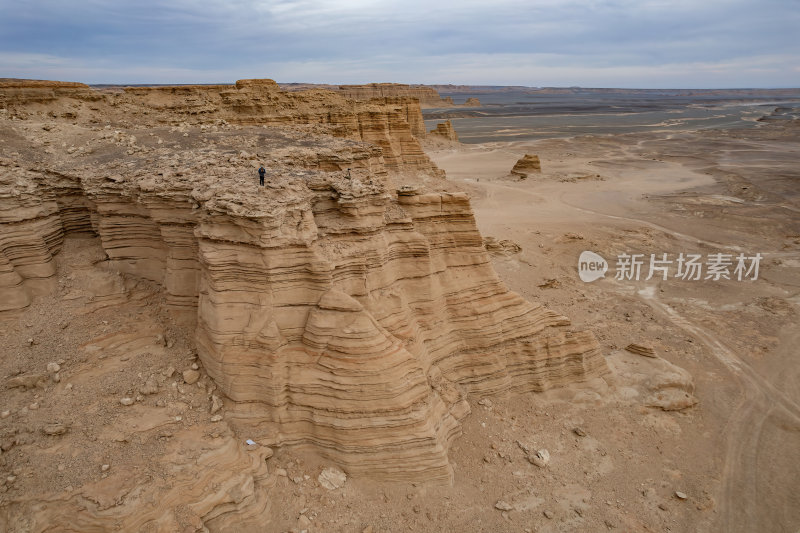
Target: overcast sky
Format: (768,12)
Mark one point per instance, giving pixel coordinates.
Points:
(591,43)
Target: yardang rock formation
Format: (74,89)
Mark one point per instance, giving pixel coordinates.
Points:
(526,166)
(332,311)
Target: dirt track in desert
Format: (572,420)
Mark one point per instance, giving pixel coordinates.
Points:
(700,192)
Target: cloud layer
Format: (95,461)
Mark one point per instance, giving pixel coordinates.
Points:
(619,43)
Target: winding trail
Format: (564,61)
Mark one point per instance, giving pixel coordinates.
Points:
(758,406)
(758,402)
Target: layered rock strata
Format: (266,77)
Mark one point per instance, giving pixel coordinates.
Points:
(445,130)
(526,166)
(394,123)
(427,96)
(333,309)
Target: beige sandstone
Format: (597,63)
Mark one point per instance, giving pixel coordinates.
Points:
(334,312)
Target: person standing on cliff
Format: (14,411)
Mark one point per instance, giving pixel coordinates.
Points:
(261,172)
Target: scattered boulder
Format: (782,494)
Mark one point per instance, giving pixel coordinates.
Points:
(541,458)
(150,386)
(29,381)
(303,522)
(126,401)
(191,376)
(550,283)
(332,478)
(501,247)
(216,404)
(641,349)
(503,506)
(671,390)
(55,429)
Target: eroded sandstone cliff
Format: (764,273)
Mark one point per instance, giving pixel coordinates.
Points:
(427,96)
(348,311)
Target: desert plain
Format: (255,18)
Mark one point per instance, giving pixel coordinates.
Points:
(141,365)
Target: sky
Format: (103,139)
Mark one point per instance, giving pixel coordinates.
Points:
(537,43)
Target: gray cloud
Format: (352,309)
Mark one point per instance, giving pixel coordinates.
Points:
(644,43)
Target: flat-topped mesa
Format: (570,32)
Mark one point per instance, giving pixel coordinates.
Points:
(393,123)
(427,96)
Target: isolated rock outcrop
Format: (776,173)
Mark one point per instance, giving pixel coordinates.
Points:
(526,166)
(445,130)
(333,308)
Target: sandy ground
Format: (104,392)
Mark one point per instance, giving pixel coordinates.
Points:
(617,459)
(737,453)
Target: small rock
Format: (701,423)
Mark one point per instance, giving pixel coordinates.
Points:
(332,478)
(216,418)
(169,371)
(486,402)
(126,401)
(680,495)
(150,386)
(105,468)
(5,414)
(216,404)
(548,514)
(27,382)
(32,341)
(52,368)
(579,432)
(195,366)
(541,458)
(503,506)
(303,522)
(55,429)
(34,406)
(281,472)
(641,349)
(191,376)
(662,506)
